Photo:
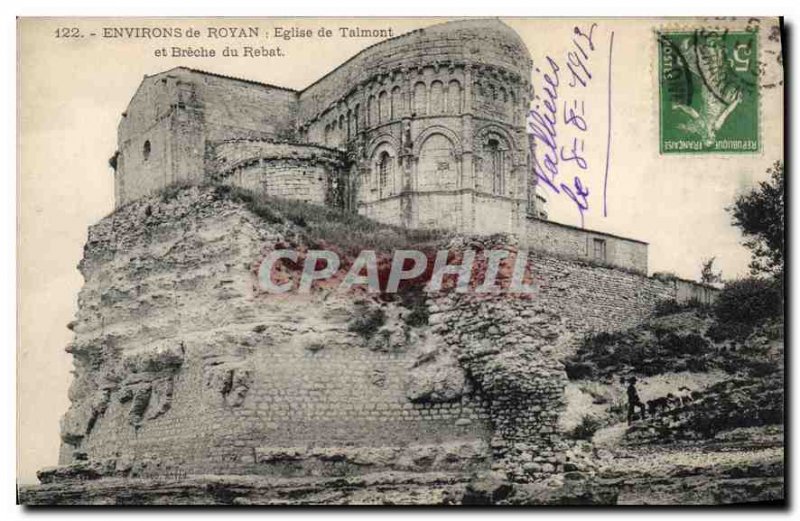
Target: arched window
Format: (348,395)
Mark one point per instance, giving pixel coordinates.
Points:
(384,172)
(437,168)
(146,150)
(454,97)
(420,99)
(372,112)
(397,103)
(496,165)
(383,106)
(356,115)
(437,97)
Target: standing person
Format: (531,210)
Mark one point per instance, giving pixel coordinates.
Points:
(634,401)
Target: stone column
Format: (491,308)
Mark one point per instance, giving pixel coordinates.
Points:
(467,160)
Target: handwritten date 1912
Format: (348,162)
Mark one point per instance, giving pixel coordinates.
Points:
(542,125)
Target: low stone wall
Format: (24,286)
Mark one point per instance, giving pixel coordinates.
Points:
(289,171)
(686,291)
(582,244)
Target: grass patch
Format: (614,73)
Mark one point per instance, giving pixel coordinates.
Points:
(169,193)
(319,224)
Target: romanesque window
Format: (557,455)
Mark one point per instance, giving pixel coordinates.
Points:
(515,113)
(384,172)
(496,165)
(356,115)
(146,150)
(436,167)
(397,102)
(437,97)
(383,107)
(420,99)
(454,97)
(372,113)
(349,125)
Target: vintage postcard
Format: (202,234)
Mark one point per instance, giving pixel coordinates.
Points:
(401,261)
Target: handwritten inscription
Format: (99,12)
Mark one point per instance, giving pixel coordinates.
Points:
(558,125)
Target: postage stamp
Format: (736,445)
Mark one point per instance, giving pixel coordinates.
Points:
(708,92)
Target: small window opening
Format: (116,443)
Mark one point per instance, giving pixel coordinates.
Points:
(600,249)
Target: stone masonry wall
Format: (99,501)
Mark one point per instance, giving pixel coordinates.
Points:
(306,173)
(173,117)
(500,46)
(578,243)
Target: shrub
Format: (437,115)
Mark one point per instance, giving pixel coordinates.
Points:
(586,428)
(170,192)
(580,370)
(665,276)
(743,304)
(415,300)
(672,306)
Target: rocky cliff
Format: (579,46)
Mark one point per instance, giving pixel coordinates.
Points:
(184,366)
(192,385)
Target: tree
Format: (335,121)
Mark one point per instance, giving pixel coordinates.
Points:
(759,214)
(707,273)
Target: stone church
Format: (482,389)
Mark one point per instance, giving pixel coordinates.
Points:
(424,130)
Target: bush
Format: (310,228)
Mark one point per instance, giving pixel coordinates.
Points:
(580,370)
(665,276)
(171,192)
(415,300)
(738,403)
(586,428)
(672,306)
(744,304)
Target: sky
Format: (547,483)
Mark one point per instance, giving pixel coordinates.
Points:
(73,90)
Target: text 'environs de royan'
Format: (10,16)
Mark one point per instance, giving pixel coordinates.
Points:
(226,32)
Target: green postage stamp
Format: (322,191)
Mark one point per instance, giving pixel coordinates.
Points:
(708,92)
